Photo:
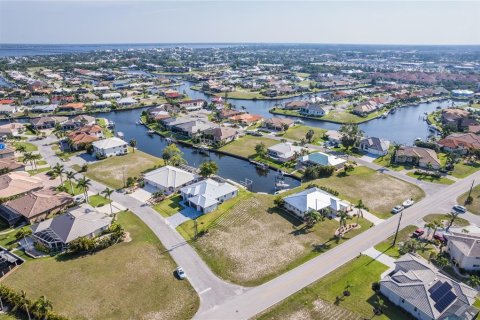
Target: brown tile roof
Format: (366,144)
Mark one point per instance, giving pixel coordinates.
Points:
(38,202)
(279,121)
(221,132)
(73,105)
(461,140)
(77,138)
(424,154)
(14,183)
(10,164)
(249,118)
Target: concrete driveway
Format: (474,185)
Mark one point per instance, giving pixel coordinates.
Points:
(143,194)
(188,213)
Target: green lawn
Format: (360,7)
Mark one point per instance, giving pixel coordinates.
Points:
(441,180)
(462,170)
(97,201)
(298,133)
(386,245)
(40,170)
(130,280)
(460,222)
(169,206)
(73,191)
(245,146)
(29,147)
(473,207)
(385,161)
(111,171)
(358,275)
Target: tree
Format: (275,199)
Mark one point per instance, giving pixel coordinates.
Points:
(84,184)
(261,149)
(108,192)
(21,148)
(312,217)
(28,158)
(41,307)
(133,144)
(171,152)
(433,226)
(350,135)
(208,168)
(279,201)
(452,216)
(474,281)
(25,303)
(360,207)
(309,135)
(343,217)
(442,261)
(409,246)
(70,176)
(59,170)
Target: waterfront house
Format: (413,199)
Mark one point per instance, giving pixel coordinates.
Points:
(374,145)
(128,101)
(278,123)
(78,121)
(192,105)
(86,135)
(36,100)
(9,165)
(314,199)
(284,152)
(246,118)
(315,110)
(334,136)
(56,233)
(18,183)
(44,108)
(47,122)
(220,135)
(454,117)
(320,159)
(7,109)
(417,156)
(101,104)
(72,107)
(464,250)
(110,147)
(169,179)
(296,105)
(206,195)
(227,113)
(34,206)
(111,96)
(460,143)
(423,291)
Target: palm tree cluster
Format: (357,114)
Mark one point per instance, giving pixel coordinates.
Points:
(39,309)
(31,158)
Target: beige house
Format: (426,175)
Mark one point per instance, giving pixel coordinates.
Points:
(417,156)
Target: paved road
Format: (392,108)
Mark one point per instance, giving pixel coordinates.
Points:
(212,290)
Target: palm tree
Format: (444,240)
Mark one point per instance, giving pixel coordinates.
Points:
(108,192)
(25,303)
(27,158)
(70,175)
(133,144)
(42,307)
(312,217)
(360,206)
(433,225)
(21,148)
(343,216)
(452,216)
(59,170)
(84,184)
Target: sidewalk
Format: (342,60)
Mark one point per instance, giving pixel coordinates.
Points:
(380,257)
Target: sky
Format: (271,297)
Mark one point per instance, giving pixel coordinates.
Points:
(268,21)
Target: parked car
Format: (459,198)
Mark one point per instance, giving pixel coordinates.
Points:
(180,273)
(79,198)
(459,208)
(439,236)
(397,209)
(418,233)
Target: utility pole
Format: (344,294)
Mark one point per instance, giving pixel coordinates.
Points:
(196,228)
(470,192)
(123,173)
(398,227)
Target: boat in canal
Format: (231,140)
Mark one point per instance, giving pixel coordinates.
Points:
(150,132)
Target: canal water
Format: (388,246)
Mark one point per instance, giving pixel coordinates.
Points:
(231,168)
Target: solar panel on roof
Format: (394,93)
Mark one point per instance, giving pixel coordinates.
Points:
(441,291)
(446,300)
(435,286)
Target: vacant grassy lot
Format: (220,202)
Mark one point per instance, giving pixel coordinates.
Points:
(245,146)
(170,206)
(110,171)
(473,207)
(379,192)
(254,241)
(427,178)
(319,300)
(299,132)
(459,222)
(29,147)
(462,170)
(130,280)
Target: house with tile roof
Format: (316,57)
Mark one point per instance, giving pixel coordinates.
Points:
(221,135)
(417,156)
(18,183)
(206,195)
(374,145)
(278,123)
(423,291)
(460,142)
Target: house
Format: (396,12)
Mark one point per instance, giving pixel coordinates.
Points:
(374,145)
(56,233)
(71,107)
(246,118)
(460,142)
(192,105)
(314,109)
(8,109)
(206,195)
(78,121)
(221,135)
(34,206)
(17,183)
(227,113)
(453,117)
(111,96)
(101,104)
(417,156)
(6,151)
(44,108)
(7,101)
(193,128)
(296,105)
(365,108)
(464,250)
(84,136)
(334,136)
(10,130)
(10,164)
(426,293)
(169,179)
(110,147)
(284,151)
(314,199)
(278,123)
(172,94)
(321,159)
(128,101)
(36,100)
(47,122)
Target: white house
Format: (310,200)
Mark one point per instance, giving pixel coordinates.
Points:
(321,159)
(101,104)
(128,101)
(284,152)
(316,110)
(334,136)
(169,178)
(111,95)
(420,289)
(206,195)
(464,250)
(192,105)
(374,145)
(314,199)
(110,147)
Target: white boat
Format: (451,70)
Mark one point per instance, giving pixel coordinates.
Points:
(110,124)
(299,121)
(281,185)
(120,135)
(408,203)
(150,132)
